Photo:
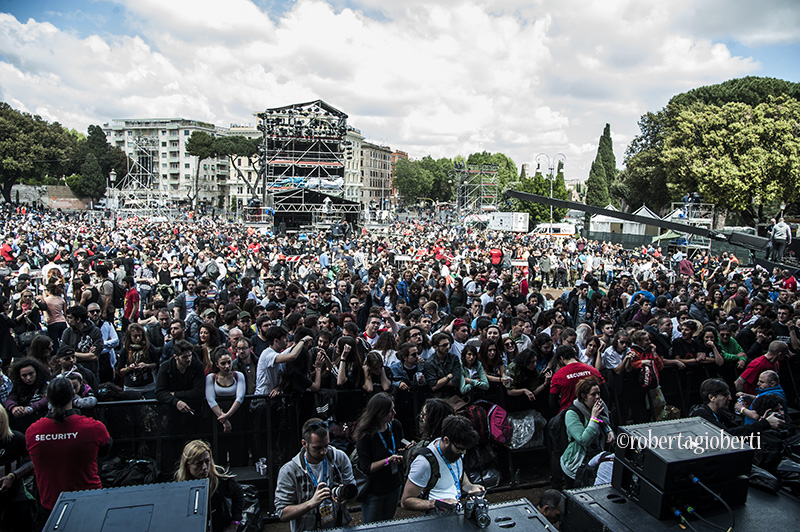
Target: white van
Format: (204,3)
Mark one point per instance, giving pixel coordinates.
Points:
(555,229)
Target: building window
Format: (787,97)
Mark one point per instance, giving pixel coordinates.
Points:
(186,165)
(186,133)
(164,144)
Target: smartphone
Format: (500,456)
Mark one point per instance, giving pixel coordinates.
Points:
(443,506)
(405,442)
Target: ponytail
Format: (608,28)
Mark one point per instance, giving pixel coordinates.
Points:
(59,394)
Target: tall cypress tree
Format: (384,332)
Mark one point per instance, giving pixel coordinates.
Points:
(596,188)
(605,150)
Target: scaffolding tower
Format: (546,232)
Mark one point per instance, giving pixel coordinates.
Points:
(697,215)
(304,147)
(477,186)
(139,192)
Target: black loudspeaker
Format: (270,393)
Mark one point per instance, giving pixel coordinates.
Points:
(515,515)
(661,504)
(176,506)
(604,509)
(668,453)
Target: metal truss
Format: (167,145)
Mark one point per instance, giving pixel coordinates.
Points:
(139,192)
(477,186)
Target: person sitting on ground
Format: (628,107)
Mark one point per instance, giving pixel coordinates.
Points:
(716,396)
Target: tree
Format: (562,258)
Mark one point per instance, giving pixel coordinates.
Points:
(737,154)
(412,180)
(90,183)
(442,178)
(506,168)
(605,149)
(31,149)
(596,188)
(540,185)
(108,157)
(200,145)
(237,146)
(656,177)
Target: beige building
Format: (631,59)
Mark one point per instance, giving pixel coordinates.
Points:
(157,147)
(376,172)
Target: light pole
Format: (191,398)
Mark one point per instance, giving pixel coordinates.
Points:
(551,164)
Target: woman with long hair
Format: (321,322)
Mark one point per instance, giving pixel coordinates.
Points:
(137,363)
(510,350)
(474,377)
(350,372)
(387,347)
(458,296)
(208,339)
(225,391)
(65,464)
(526,380)
(27,401)
(379,437)
(226,498)
(431,417)
(41,349)
(375,377)
(492,361)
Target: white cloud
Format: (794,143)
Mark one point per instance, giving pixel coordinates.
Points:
(429,77)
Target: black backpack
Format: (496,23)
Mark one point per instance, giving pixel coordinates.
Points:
(557,430)
(118,294)
(421,449)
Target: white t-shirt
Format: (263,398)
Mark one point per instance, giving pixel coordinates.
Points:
(420,472)
(267,372)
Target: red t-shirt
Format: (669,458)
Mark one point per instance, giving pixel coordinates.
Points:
(64,455)
(565,379)
(753,370)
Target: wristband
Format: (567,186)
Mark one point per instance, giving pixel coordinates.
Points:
(386,460)
(237,523)
(596,419)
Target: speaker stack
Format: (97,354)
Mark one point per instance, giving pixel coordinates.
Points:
(171,506)
(663,466)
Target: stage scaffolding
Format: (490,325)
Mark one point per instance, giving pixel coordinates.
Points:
(477,186)
(140,192)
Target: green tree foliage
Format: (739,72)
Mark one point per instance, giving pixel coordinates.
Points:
(672,155)
(596,187)
(737,153)
(108,157)
(202,146)
(540,185)
(31,149)
(506,169)
(236,146)
(90,183)
(751,90)
(412,180)
(443,178)
(605,150)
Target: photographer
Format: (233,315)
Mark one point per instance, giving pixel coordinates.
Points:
(312,487)
(443,463)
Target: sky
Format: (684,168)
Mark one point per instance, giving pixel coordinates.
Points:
(433,77)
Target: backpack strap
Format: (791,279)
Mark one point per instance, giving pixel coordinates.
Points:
(435,475)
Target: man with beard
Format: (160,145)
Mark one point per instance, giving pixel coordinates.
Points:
(84,337)
(442,460)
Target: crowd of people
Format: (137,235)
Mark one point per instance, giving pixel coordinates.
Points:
(363,340)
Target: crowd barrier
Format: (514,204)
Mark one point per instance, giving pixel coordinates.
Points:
(273,431)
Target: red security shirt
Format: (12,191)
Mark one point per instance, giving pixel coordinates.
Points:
(565,379)
(64,455)
(754,369)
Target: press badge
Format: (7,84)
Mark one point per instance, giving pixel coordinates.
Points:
(394,468)
(326,512)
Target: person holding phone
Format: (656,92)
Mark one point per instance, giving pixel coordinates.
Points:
(588,428)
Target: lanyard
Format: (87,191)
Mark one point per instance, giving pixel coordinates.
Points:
(456,479)
(324,477)
(393,448)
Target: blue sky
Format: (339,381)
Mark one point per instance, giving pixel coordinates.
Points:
(434,77)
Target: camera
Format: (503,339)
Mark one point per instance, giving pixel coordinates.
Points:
(345,492)
(477,509)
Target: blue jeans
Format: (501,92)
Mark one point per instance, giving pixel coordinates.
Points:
(380,507)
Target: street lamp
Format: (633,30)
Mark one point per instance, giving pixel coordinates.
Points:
(551,166)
